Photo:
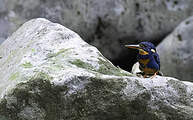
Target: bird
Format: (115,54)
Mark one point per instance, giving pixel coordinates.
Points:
(148,58)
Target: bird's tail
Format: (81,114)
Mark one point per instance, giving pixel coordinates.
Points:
(160,73)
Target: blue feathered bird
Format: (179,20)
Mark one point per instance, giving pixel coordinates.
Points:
(148,58)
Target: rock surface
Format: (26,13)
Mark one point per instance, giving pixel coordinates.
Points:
(48,72)
(105,24)
(176,52)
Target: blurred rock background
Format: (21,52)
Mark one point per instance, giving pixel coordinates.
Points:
(176,52)
(108,24)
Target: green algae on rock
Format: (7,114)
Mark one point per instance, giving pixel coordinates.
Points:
(55,75)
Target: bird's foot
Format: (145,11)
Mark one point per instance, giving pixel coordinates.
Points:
(140,74)
(145,76)
(154,75)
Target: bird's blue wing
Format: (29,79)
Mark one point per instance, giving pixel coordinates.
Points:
(156,57)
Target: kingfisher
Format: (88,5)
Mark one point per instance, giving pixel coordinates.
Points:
(148,58)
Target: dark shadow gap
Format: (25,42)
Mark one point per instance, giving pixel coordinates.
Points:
(128,59)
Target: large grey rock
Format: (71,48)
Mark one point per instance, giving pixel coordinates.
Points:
(49,73)
(106,24)
(176,52)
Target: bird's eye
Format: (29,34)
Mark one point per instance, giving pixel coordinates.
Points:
(142,45)
(145,45)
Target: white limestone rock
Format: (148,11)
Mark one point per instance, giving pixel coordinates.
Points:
(105,24)
(176,52)
(49,73)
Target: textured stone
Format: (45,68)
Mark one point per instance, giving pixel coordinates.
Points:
(105,24)
(176,52)
(49,73)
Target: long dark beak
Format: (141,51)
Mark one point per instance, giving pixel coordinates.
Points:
(133,46)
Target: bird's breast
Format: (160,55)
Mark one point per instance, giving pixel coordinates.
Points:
(144,61)
(149,70)
(145,68)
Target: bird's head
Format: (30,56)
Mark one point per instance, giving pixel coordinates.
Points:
(144,48)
